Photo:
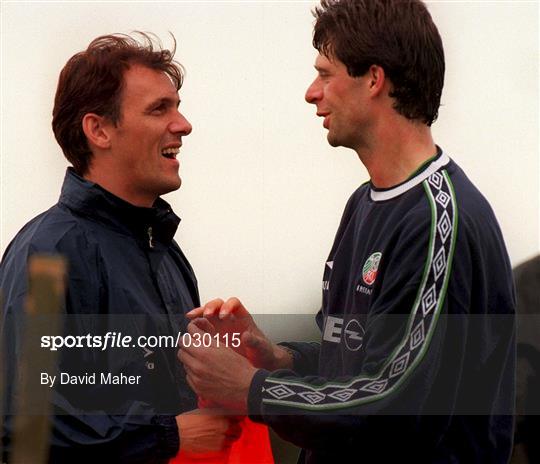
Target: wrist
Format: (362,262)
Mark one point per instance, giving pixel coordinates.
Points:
(180,424)
(283,358)
(168,436)
(255,395)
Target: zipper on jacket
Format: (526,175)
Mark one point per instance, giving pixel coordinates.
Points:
(150,238)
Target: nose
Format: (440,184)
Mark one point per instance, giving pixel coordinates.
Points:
(180,125)
(314,92)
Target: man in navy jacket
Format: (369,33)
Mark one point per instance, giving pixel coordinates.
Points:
(116,117)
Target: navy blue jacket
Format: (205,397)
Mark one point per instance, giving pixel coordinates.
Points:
(122,263)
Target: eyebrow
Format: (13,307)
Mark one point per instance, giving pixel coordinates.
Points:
(168,101)
(320,68)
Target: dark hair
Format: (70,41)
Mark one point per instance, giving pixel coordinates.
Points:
(92,82)
(399,36)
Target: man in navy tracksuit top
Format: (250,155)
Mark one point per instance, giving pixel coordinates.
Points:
(416,361)
(116,118)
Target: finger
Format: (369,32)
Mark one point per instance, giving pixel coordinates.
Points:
(184,344)
(182,356)
(233,306)
(205,325)
(191,383)
(188,357)
(197,335)
(192,328)
(213,307)
(195,312)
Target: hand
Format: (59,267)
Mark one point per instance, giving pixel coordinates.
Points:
(217,373)
(207,431)
(232,317)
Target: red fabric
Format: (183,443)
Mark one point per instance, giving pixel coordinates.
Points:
(253,447)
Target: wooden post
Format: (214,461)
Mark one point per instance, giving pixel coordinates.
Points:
(44,316)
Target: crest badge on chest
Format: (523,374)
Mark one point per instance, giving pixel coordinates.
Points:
(371,266)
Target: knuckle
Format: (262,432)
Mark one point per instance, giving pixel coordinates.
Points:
(215,303)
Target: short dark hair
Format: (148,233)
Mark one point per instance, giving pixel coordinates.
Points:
(92,82)
(399,36)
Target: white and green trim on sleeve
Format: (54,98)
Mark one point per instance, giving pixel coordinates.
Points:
(421,324)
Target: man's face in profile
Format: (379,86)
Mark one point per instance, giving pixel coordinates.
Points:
(342,100)
(148,136)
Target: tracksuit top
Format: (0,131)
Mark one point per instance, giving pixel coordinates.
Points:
(416,359)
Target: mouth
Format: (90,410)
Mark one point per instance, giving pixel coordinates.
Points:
(326,121)
(170,152)
(326,117)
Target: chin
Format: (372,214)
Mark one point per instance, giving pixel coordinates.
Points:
(170,186)
(175,185)
(332,140)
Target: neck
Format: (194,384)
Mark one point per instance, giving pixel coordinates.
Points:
(396,151)
(108,180)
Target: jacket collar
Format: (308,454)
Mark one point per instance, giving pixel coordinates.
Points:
(93,201)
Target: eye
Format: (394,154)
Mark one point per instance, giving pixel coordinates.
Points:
(158,109)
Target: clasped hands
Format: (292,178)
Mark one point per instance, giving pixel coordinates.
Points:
(221,375)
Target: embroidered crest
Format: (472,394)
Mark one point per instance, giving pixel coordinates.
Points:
(369,271)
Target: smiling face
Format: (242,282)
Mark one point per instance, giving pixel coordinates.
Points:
(343,102)
(146,140)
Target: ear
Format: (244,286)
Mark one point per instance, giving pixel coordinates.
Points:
(97,130)
(376,79)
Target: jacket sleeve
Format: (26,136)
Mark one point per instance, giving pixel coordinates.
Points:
(401,361)
(305,356)
(140,435)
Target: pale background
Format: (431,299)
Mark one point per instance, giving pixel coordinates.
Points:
(262,191)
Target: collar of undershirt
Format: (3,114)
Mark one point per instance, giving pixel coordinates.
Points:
(377,194)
